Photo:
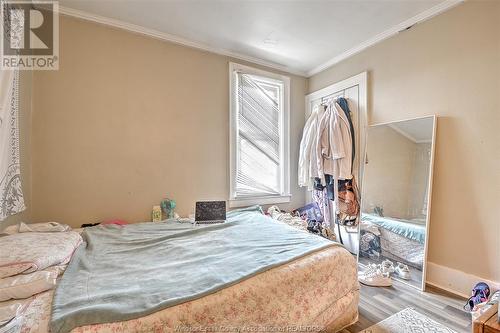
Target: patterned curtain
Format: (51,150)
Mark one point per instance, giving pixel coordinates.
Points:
(11,196)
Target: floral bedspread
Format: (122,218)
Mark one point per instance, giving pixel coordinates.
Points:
(312,293)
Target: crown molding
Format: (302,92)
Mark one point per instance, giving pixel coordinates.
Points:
(436,10)
(425,15)
(173,39)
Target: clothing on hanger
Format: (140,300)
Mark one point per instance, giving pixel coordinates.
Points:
(307,166)
(334,144)
(344,105)
(323,202)
(327,142)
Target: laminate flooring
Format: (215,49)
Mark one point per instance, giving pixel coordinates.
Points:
(378,303)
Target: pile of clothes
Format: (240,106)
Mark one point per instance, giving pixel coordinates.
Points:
(369,241)
(308,218)
(32,257)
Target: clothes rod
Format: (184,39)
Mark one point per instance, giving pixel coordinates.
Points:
(333,96)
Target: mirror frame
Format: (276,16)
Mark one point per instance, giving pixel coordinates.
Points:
(429,194)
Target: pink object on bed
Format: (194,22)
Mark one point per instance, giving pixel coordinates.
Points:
(116,221)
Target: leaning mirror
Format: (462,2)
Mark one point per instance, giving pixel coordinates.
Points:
(396,200)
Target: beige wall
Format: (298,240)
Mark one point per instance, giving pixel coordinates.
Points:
(388,174)
(129,120)
(448,66)
(25,89)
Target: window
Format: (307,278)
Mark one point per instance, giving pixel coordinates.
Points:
(259,137)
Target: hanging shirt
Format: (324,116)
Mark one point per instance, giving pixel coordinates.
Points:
(344,105)
(344,165)
(308,168)
(334,145)
(305,147)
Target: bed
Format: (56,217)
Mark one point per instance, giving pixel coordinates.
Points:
(317,291)
(400,240)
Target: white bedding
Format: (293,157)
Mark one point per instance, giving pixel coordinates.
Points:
(34,251)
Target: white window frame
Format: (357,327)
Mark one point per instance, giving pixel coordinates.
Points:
(285,196)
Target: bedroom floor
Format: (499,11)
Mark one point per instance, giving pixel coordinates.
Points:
(377,304)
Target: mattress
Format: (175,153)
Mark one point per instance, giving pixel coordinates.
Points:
(411,229)
(395,246)
(402,249)
(316,292)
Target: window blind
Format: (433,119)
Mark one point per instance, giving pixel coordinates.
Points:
(259,157)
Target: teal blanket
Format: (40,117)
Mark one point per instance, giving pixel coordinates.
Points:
(123,273)
(405,228)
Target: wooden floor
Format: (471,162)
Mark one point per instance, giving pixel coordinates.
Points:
(377,304)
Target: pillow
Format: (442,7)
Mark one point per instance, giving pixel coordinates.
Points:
(26,285)
(34,251)
(36,227)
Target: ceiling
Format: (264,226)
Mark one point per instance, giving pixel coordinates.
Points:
(417,130)
(301,37)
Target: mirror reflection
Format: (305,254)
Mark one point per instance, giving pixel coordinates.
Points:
(395,201)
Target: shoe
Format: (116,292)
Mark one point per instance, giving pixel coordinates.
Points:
(373,276)
(479,309)
(369,268)
(387,266)
(480,295)
(403,271)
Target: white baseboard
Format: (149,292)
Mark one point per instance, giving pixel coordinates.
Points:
(455,281)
